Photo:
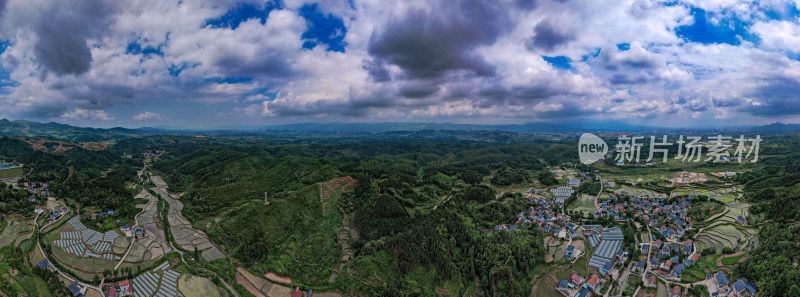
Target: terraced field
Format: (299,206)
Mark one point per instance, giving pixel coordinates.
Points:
(725,195)
(723,234)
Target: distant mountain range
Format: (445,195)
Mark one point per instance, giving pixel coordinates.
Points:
(23,128)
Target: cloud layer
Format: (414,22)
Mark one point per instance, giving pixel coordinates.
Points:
(213,63)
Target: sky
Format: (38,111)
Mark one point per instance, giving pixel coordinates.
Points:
(206,64)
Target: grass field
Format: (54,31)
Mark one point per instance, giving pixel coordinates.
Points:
(583,204)
(11,172)
(697,271)
(195,286)
(547,286)
(732,260)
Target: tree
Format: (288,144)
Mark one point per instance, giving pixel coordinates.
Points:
(472,177)
(547,178)
(96,279)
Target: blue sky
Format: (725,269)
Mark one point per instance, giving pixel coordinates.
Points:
(205,64)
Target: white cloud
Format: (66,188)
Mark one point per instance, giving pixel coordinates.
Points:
(262,70)
(86,114)
(147,116)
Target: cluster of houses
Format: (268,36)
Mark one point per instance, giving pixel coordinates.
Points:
(153,154)
(666,256)
(57,214)
(36,189)
(138,232)
(541,213)
(543,217)
(109,212)
(578,286)
(671,220)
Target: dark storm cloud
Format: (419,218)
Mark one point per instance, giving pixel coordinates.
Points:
(3,4)
(430,44)
(62,31)
(376,70)
(548,36)
(778,96)
(570,110)
(418,89)
(270,64)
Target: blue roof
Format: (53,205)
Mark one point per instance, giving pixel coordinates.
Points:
(674,259)
(43,264)
(73,288)
(654,261)
(608,266)
(640,264)
(742,284)
(679,269)
(722,280)
(584,293)
(570,247)
(125,226)
(562,283)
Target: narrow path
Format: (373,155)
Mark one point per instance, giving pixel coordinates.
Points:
(136,221)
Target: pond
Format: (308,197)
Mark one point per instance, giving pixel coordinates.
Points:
(6,166)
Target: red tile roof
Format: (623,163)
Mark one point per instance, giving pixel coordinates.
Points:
(593,280)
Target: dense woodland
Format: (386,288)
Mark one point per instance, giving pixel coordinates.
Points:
(420,206)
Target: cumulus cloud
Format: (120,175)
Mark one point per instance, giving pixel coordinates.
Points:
(86,114)
(461,60)
(147,116)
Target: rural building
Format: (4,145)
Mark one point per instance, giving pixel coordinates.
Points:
(591,283)
(124,288)
(585,293)
(652,281)
(741,220)
(75,290)
(743,288)
(676,291)
(722,282)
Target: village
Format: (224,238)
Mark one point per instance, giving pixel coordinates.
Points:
(665,244)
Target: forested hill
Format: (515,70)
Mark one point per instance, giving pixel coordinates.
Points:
(91,178)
